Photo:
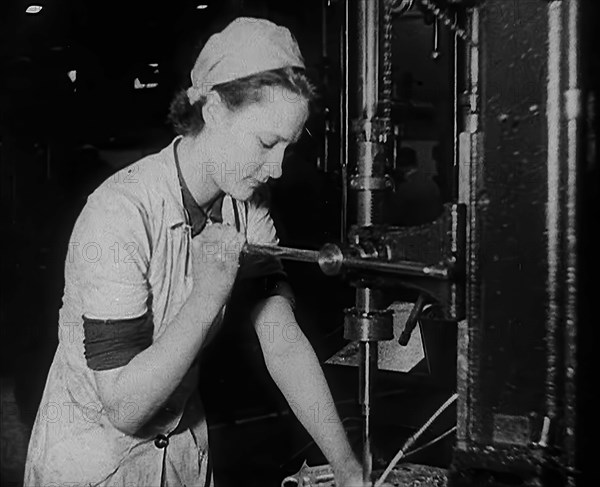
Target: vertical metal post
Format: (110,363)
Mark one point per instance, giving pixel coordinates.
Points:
(367,300)
(344,120)
(574,114)
(553,202)
(368,173)
(368,350)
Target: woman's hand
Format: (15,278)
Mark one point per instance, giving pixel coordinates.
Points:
(349,475)
(352,476)
(215,258)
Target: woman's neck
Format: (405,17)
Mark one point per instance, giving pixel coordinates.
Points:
(196,169)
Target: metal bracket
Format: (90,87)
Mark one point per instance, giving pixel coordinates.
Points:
(440,243)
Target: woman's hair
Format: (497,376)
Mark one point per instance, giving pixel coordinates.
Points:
(187,118)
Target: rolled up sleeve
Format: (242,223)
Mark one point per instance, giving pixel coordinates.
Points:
(260,230)
(110,253)
(262,277)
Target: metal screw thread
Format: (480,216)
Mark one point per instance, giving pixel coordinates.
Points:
(447,20)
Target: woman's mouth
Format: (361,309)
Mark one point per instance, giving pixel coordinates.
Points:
(256,182)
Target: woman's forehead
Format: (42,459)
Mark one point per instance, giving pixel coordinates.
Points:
(283,115)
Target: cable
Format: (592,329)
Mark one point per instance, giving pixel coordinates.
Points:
(414,438)
(429,443)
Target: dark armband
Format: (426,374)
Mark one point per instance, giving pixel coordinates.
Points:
(110,344)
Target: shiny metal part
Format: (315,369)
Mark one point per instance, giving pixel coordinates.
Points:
(371,127)
(401,6)
(435,51)
(366,183)
(406,475)
(332,259)
(344,119)
(289,253)
(575,153)
(412,320)
(368,325)
(321,476)
(445,18)
(365,323)
(406,268)
(367,367)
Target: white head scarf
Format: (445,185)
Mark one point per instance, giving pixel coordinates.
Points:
(246,46)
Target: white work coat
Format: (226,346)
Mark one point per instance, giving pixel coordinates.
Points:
(129,254)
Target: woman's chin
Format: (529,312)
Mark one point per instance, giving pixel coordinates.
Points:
(243,194)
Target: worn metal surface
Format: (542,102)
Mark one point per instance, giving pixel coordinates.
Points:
(508,206)
(440,243)
(391,355)
(370,36)
(404,475)
(332,259)
(517,348)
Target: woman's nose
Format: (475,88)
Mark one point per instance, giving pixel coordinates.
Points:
(276,170)
(273,169)
(269,170)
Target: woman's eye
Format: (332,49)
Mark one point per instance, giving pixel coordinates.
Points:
(267,146)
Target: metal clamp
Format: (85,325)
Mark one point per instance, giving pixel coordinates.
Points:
(368,325)
(370,183)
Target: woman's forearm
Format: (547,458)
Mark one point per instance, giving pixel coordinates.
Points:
(295,369)
(143,385)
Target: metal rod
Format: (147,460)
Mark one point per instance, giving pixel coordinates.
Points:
(368,353)
(574,114)
(324,5)
(409,268)
(299,255)
(344,124)
(367,54)
(466,422)
(455,108)
(435,52)
(399,267)
(553,201)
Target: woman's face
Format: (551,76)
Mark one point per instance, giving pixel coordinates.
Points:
(249,144)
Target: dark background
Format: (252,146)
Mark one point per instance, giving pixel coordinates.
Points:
(59,139)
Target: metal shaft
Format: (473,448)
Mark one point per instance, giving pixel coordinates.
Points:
(368,361)
(399,267)
(331,259)
(289,253)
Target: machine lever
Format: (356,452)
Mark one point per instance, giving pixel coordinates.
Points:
(331,258)
(412,320)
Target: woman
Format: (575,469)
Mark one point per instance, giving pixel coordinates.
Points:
(152,261)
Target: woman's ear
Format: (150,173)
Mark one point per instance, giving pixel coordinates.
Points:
(214,110)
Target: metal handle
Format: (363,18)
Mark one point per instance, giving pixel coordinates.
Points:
(331,258)
(412,321)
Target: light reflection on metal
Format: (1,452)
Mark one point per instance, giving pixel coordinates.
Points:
(332,259)
(34,9)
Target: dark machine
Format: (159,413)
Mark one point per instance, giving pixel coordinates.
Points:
(508,259)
